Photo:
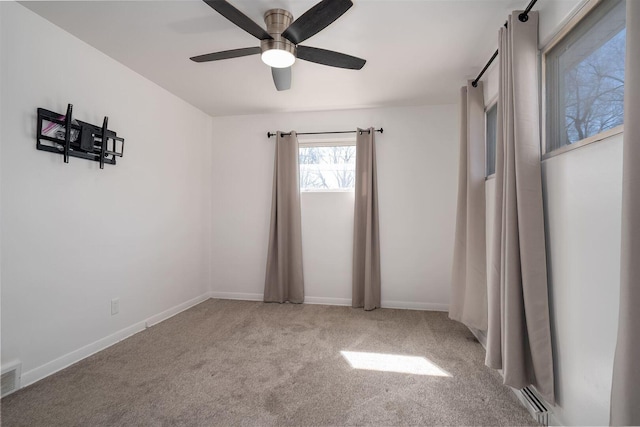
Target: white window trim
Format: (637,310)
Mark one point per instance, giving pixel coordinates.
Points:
(327,142)
(493,101)
(490,105)
(581,13)
(602,136)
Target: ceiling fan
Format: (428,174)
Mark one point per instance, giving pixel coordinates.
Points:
(280,43)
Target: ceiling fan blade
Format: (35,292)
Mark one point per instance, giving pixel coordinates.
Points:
(281,78)
(225,9)
(330,58)
(316,19)
(227,54)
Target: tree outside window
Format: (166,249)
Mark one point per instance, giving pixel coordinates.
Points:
(585,77)
(594,91)
(327,168)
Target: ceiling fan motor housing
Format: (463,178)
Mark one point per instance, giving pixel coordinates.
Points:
(277,21)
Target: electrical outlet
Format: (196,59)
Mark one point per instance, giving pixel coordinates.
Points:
(115,306)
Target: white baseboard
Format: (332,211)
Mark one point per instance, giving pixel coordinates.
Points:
(236,295)
(412,305)
(481,336)
(328,301)
(49,368)
(75,356)
(335,301)
(153,320)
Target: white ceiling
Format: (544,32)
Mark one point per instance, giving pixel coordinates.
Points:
(418,52)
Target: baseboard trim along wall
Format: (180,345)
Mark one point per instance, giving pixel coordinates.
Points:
(412,305)
(236,295)
(75,356)
(153,320)
(481,336)
(50,368)
(327,301)
(336,301)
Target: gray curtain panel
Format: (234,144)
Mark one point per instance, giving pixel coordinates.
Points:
(284,279)
(625,392)
(518,334)
(469,275)
(366,234)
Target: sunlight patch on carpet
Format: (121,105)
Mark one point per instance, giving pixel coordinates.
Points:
(415,365)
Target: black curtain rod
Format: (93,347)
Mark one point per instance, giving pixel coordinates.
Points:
(523,17)
(270,134)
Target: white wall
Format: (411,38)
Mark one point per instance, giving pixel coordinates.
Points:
(74,236)
(327,228)
(417,177)
(582,198)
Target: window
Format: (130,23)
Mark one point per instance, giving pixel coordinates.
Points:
(328,166)
(490,141)
(585,77)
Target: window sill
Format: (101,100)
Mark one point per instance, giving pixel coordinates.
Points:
(602,136)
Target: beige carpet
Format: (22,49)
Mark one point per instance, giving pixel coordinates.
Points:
(254,364)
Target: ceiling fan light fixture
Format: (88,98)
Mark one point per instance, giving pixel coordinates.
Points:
(278,58)
(279,44)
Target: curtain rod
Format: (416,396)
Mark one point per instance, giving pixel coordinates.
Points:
(270,134)
(523,17)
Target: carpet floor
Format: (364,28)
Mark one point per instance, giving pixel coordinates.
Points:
(254,364)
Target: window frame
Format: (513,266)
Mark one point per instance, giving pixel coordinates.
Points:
(562,34)
(492,103)
(343,141)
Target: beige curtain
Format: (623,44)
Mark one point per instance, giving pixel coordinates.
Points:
(518,335)
(469,275)
(625,393)
(366,235)
(284,279)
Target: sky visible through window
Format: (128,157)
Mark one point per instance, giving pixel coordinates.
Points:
(331,168)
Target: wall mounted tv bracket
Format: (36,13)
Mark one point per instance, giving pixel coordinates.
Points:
(63,135)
